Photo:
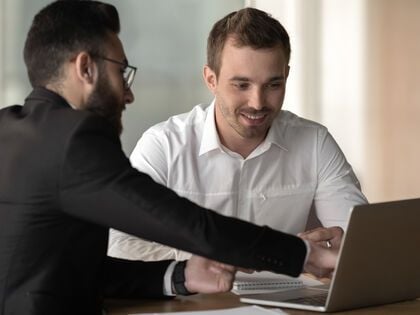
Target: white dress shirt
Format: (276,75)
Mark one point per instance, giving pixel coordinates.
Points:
(299,165)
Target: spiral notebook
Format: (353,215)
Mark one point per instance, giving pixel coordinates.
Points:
(244,310)
(265,281)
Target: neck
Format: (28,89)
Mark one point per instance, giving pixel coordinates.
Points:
(237,143)
(244,147)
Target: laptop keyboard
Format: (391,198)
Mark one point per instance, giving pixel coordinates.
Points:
(316,300)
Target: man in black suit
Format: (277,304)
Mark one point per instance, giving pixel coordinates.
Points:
(64,181)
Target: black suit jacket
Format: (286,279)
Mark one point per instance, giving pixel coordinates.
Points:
(64,180)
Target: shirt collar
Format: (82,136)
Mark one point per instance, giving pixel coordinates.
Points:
(276,133)
(210,139)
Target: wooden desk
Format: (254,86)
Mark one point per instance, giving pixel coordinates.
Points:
(228,300)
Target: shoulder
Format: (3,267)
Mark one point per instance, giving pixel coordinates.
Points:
(181,126)
(288,119)
(290,130)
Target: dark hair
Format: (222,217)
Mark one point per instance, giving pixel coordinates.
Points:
(61,30)
(247,27)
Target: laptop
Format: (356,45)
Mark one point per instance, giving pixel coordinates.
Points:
(378,263)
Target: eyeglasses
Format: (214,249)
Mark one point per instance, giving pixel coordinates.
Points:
(128,72)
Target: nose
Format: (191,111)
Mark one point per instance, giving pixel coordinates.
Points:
(256,99)
(128,96)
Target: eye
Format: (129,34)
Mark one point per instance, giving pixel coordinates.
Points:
(241,86)
(275,85)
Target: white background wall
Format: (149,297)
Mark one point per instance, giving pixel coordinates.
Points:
(165,39)
(355,68)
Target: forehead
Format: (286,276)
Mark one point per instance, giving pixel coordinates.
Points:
(114,47)
(248,61)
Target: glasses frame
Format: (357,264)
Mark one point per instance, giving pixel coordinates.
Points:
(129,78)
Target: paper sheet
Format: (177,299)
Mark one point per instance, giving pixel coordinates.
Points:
(245,310)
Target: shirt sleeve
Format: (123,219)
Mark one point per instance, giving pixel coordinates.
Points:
(338,187)
(126,246)
(167,280)
(148,157)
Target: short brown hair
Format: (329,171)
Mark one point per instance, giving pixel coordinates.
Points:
(248,27)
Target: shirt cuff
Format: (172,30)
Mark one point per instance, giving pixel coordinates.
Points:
(308,251)
(167,280)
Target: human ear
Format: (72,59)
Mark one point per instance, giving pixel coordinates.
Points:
(287,71)
(86,69)
(210,78)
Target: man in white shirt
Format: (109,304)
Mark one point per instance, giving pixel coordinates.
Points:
(242,155)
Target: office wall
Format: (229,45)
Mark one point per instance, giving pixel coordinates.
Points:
(355,68)
(393,114)
(165,39)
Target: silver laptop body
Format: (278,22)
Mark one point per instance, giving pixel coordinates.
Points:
(379,262)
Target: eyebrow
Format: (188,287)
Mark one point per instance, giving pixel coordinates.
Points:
(245,79)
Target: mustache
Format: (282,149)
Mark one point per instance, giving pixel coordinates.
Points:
(251,111)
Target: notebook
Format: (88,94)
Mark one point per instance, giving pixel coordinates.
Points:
(378,263)
(265,281)
(244,310)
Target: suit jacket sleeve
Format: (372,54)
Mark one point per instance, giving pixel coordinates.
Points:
(98,184)
(120,278)
(155,164)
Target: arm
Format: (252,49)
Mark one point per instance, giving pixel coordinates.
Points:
(148,157)
(338,187)
(99,185)
(120,278)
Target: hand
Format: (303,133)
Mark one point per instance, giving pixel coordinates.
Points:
(321,235)
(203,275)
(322,258)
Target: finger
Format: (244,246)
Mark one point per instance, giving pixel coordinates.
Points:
(322,257)
(318,235)
(336,233)
(211,264)
(246,270)
(225,281)
(220,267)
(333,234)
(228,267)
(304,233)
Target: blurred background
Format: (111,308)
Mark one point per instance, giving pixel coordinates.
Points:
(355,68)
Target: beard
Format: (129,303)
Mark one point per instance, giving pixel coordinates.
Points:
(104,102)
(233,117)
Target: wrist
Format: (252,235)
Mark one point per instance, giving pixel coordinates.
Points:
(178,279)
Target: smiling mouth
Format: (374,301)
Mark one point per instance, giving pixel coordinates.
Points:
(255,116)
(254,119)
